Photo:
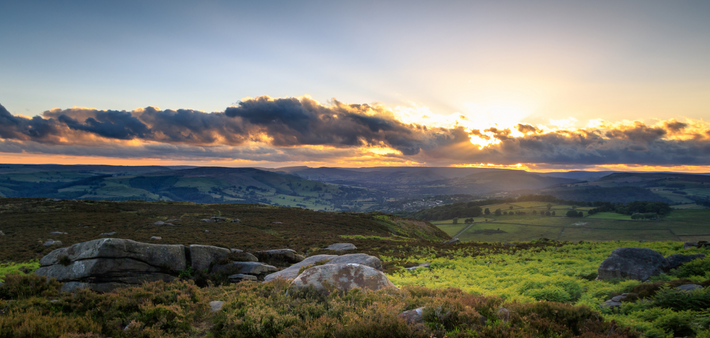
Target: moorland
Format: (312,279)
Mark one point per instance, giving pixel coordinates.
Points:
(517,272)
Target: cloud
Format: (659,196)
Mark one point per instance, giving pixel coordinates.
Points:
(304,130)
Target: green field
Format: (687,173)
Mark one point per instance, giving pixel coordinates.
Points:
(680,225)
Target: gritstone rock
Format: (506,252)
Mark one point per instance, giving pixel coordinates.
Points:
(632,263)
(342,277)
(107,263)
(341,247)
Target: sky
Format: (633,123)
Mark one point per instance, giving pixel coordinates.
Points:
(536,85)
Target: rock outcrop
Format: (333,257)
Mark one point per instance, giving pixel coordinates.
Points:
(201,256)
(107,263)
(292,271)
(279,257)
(343,277)
(632,263)
(413,316)
(247,268)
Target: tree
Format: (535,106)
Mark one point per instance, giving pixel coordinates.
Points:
(534,212)
(547,213)
(487,211)
(498,212)
(456,220)
(553,213)
(549,206)
(511,207)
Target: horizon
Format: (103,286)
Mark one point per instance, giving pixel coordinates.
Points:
(545,87)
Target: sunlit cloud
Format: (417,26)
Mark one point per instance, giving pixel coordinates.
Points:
(267,131)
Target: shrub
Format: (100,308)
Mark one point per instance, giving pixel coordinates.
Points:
(18,286)
(682,300)
(697,267)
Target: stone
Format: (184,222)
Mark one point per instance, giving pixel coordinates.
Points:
(201,256)
(159,223)
(454,240)
(689,245)
(279,257)
(423,265)
(632,263)
(2,233)
(249,268)
(216,219)
(413,316)
(171,257)
(343,277)
(359,258)
(216,305)
(51,242)
(675,261)
(241,277)
(610,304)
(106,264)
(292,271)
(242,256)
(689,287)
(107,234)
(207,231)
(156,238)
(173,220)
(207,220)
(236,220)
(53,233)
(503,314)
(276,223)
(341,247)
(618,298)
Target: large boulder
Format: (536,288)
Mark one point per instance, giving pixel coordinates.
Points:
(279,257)
(292,271)
(108,263)
(247,268)
(343,277)
(202,256)
(674,261)
(632,263)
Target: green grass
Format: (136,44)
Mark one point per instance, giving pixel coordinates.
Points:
(8,268)
(610,215)
(680,225)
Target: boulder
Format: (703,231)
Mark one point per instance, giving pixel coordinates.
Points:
(236,220)
(632,263)
(159,223)
(689,287)
(156,238)
(241,256)
(51,242)
(248,268)
(360,258)
(235,278)
(292,271)
(107,234)
(675,261)
(54,233)
(689,245)
(201,256)
(341,247)
(343,277)
(107,263)
(279,257)
(2,233)
(423,265)
(216,305)
(413,316)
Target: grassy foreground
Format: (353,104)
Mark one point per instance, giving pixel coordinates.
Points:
(543,289)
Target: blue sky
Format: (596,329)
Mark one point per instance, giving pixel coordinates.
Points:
(498,62)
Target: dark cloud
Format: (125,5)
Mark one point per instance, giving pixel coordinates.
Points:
(266,129)
(526,128)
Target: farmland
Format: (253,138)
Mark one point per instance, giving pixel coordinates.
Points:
(680,225)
